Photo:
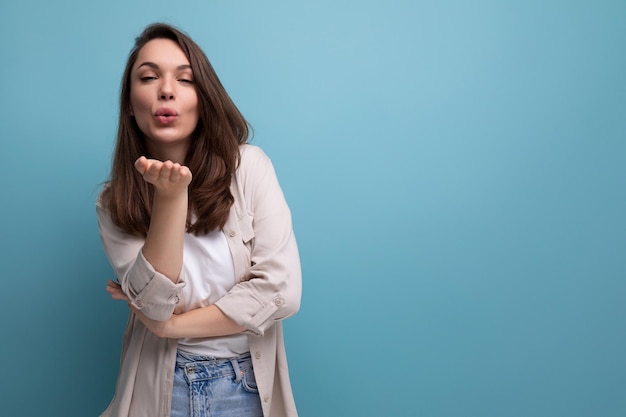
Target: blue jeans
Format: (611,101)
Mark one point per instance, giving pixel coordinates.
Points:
(210,387)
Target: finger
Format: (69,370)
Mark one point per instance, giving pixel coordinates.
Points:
(152,173)
(113,287)
(175,174)
(166,170)
(119,297)
(113,283)
(115,290)
(141,164)
(185,173)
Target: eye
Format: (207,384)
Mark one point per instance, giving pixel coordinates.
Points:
(148,78)
(186,80)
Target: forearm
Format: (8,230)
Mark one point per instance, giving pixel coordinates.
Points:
(202,322)
(163,247)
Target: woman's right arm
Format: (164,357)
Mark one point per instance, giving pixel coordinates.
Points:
(164,242)
(148,270)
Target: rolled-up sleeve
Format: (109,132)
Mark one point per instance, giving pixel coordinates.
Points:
(271,287)
(150,291)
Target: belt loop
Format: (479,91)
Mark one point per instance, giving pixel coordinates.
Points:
(235,363)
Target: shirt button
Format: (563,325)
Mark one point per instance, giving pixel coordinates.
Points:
(139,303)
(232,233)
(279,301)
(257,355)
(266,398)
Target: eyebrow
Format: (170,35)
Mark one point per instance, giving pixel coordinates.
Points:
(155,66)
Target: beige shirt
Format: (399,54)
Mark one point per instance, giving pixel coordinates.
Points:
(268,289)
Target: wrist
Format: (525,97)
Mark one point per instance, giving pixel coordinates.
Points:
(169,328)
(168,195)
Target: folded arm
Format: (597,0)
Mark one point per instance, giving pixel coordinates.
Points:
(149,269)
(202,322)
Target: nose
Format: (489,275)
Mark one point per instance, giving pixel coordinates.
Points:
(166,92)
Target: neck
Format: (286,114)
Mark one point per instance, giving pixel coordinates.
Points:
(169,152)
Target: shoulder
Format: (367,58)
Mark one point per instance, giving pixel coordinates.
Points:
(103,196)
(253,160)
(255,174)
(252,154)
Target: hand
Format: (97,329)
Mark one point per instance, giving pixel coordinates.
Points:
(167,177)
(115,290)
(159,328)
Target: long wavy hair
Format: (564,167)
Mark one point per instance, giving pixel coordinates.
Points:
(213,155)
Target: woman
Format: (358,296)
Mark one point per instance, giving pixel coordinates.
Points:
(196,228)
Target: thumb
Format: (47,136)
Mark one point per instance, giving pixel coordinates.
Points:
(142,164)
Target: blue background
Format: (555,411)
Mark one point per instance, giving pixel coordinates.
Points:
(456,171)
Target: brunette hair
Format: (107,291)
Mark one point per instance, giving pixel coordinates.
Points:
(212,157)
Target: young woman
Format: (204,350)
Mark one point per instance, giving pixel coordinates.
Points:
(196,228)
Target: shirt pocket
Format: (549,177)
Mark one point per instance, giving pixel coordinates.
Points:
(246,233)
(246,228)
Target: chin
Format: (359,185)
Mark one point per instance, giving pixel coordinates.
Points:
(170,139)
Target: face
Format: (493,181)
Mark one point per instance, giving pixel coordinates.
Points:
(163,98)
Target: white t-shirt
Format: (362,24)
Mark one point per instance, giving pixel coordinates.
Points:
(209,274)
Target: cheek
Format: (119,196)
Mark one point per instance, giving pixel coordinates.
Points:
(191,107)
(141,117)
(135,103)
(139,107)
(192,102)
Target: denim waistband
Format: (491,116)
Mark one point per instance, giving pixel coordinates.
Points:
(198,367)
(183,357)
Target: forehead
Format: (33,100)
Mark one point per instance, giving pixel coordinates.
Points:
(163,52)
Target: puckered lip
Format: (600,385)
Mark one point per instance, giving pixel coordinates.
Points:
(165,111)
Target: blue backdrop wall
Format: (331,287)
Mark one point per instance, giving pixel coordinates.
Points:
(456,171)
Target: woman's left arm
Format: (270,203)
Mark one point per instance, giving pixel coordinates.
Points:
(202,322)
(271,286)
